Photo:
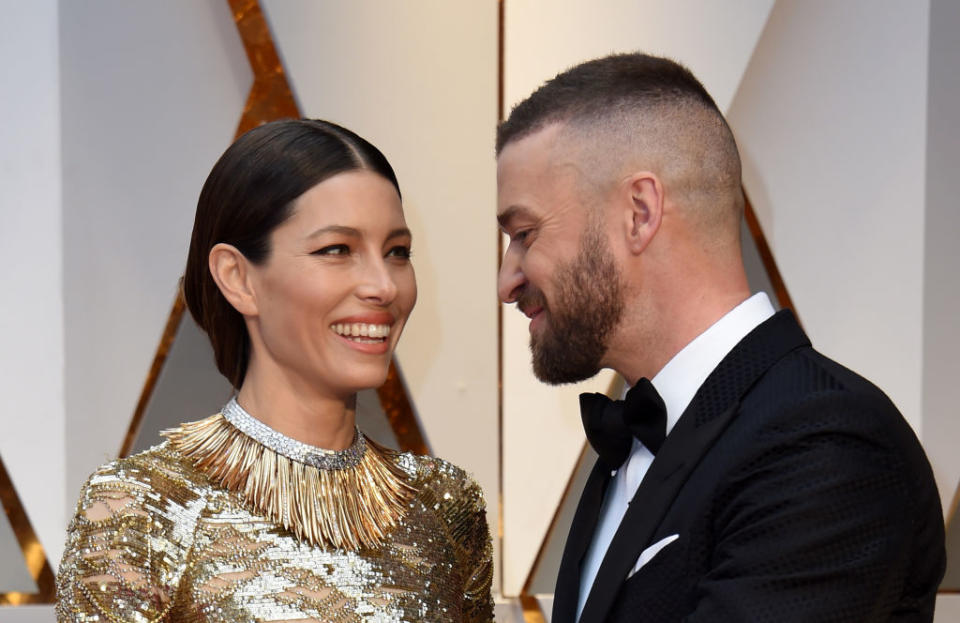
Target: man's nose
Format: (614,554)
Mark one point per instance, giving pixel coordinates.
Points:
(511,279)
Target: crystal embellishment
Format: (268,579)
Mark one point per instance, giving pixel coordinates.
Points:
(294,450)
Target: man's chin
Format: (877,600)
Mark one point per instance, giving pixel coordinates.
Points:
(559,375)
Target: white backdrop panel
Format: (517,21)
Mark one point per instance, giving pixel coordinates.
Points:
(419,80)
(941,280)
(151,95)
(831,118)
(31,267)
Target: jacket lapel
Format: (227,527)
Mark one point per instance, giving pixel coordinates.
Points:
(578,541)
(711,410)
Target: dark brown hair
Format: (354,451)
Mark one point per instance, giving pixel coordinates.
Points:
(603,87)
(641,108)
(247,195)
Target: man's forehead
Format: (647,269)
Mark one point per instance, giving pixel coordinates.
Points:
(542,158)
(538,147)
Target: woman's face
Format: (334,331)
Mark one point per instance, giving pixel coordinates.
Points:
(337,287)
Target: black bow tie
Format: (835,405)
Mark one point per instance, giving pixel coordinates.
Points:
(611,425)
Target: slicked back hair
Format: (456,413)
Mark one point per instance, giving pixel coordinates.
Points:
(638,109)
(249,193)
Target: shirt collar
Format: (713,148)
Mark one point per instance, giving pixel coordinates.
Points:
(678,381)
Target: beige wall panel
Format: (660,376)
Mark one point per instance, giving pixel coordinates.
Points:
(948,609)
(31,270)
(941,282)
(151,95)
(419,80)
(541,425)
(830,117)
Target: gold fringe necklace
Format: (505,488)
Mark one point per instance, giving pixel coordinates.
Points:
(348,499)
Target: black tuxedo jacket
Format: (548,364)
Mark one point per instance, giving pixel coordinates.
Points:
(797,491)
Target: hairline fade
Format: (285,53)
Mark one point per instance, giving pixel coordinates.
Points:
(627,110)
(602,87)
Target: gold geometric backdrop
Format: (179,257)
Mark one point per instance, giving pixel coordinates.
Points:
(183,381)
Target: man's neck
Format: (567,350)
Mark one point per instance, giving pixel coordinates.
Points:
(648,346)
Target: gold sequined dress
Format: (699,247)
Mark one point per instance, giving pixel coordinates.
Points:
(173,535)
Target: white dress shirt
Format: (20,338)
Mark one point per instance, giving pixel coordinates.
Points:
(676,383)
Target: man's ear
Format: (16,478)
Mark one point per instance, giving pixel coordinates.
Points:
(231,272)
(642,201)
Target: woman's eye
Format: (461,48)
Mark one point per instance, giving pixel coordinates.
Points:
(400,251)
(333,249)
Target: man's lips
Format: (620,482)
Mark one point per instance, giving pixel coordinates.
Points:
(535,314)
(531,312)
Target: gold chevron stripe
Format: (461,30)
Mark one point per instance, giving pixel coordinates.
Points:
(34,557)
(270,99)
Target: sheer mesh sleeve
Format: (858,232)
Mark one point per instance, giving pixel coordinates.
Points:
(124,552)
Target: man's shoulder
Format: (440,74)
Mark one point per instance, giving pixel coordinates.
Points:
(807,376)
(807,396)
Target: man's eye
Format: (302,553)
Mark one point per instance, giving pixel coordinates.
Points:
(333,249)
(522,235)
(400,251)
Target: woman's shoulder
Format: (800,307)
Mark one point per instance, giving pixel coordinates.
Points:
(450,493)
(456,500)
(158,485)
(129,537)
(159,467)
(441,478)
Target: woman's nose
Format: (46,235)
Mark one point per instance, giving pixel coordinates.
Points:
(378,283)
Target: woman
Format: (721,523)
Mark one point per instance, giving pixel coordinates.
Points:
(278,508)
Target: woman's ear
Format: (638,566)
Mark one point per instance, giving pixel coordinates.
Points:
(642,200)
(231,272)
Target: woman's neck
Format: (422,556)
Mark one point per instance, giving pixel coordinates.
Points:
(298,411)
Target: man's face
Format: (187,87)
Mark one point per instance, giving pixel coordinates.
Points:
(558,267)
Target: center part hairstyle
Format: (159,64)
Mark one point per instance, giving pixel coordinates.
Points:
(637,110)
(249,193)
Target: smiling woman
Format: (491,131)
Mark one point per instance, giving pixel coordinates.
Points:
(278,507)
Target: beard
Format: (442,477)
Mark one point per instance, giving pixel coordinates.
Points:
(587,307)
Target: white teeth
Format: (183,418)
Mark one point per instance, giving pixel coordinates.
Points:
(357,330)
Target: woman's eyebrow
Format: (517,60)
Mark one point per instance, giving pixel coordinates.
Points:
(343,230)
(399,232)
(336,229)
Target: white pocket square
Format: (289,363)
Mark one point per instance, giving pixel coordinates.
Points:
(648,554)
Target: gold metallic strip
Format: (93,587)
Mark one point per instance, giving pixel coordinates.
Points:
(271,98)
(766,256)
(396,405)
(34,557)
(951,516)
(160,358)
(952,513)
(532,613)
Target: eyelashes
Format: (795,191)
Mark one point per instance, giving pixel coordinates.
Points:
(333,249)
(400,251)
(341,250)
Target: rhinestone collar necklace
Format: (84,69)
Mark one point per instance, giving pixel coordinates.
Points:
(320,458)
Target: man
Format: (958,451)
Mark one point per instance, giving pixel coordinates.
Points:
(753,479)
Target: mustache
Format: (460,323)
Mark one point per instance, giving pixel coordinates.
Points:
(531,298)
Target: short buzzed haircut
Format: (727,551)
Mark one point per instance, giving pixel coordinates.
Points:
(642,110)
